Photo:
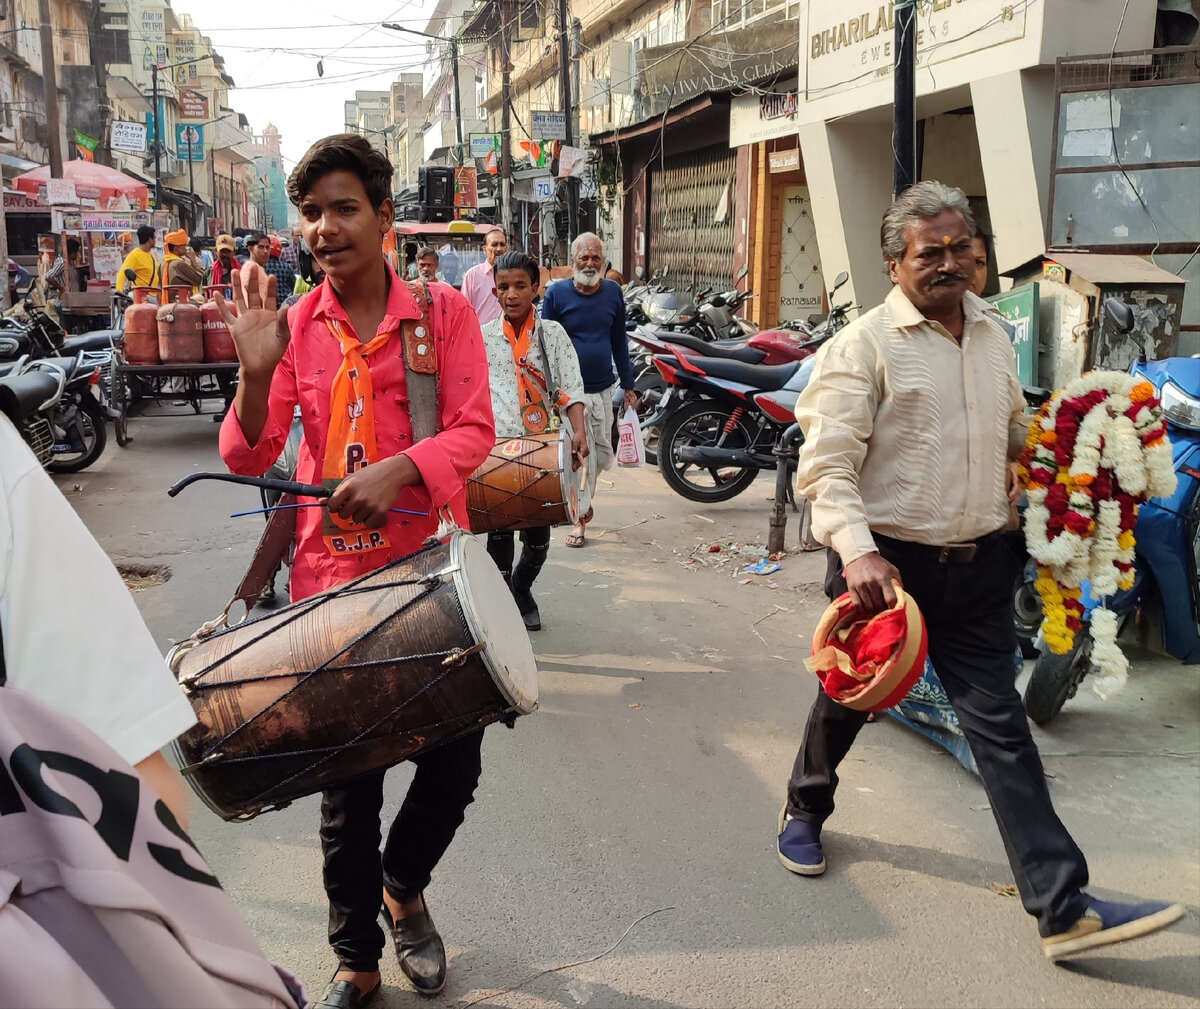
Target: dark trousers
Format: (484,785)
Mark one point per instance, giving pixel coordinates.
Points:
(535,545)
(355,875)
(968,614)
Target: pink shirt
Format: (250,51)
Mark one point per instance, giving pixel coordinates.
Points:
(466,431)
(477,289)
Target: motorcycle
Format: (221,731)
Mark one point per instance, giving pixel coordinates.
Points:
(28,395)
(1168,542)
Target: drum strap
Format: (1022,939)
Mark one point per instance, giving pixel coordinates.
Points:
(420,366)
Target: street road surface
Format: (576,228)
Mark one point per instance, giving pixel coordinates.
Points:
(640,803)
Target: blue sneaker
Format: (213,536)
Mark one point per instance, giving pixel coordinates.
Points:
(799,845)
(1104,923)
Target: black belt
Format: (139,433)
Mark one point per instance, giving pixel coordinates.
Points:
(944,553)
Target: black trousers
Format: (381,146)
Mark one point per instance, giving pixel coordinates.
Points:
(535,545)
(968,614)
(356,875)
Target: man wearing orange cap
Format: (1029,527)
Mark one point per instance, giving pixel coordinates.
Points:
(180,265)
(910,417)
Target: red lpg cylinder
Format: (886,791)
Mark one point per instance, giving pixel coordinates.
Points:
(180,327)
(218,344)
(141,329)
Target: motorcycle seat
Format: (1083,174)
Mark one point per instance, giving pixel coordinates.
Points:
(747,355)
(764,377)
(21,395)
(98,340)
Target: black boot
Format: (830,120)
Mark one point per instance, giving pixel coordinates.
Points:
(522,581)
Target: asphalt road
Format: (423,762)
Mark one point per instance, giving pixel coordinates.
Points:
(637,808)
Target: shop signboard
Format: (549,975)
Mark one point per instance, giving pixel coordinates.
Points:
(466,191)
(784,161)
(189,142)
(801,286)
(128,137)
(482,144)
(193,105)
(547,125)
(61,192)
(846,46)
(1020,310)
(22,203)
(756,117)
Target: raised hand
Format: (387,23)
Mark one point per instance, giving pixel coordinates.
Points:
(259,330)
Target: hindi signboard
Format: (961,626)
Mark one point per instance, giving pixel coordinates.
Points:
(128,137)
(1020,310)
(547,125)
(61,192)
(189,142)
(193,105)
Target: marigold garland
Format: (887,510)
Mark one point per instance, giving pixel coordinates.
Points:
(1095,451)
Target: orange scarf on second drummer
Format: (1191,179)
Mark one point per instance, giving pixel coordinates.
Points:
(350,444)
(532,392)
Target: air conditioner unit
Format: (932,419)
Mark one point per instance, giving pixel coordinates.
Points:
(171,166)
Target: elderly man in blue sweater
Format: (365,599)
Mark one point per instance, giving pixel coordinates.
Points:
(592,311)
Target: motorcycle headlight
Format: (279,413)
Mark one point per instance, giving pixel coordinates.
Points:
(1180,408)
(659,313)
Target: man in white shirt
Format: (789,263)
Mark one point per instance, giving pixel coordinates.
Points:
(910,419)
(478,285)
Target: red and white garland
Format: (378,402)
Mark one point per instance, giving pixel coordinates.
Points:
(1095,452)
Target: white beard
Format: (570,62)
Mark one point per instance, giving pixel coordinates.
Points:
(587,278)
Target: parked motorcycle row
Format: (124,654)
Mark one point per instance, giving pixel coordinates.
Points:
(56,388)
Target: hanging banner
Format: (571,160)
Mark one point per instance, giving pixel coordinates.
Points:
(466,190)
(61,192)
(85,145)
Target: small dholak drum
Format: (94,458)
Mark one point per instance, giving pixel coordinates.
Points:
(526,482)
(353,680)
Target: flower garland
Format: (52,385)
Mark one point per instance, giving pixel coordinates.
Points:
(1095,451)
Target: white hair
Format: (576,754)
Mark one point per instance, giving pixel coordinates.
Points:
(583,239)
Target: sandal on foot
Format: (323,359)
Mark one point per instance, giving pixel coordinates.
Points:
(574,539)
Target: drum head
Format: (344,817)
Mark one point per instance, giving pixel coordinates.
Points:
(493,617)
(574,482)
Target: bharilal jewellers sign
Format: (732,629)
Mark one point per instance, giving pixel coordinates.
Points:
(848,45)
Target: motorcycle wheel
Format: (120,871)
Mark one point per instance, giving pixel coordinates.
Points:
(1027,616)
(1056,678)
(701,423)
(88,421)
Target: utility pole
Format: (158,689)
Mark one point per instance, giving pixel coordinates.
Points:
(50,85)
(564,87)
(158,139)
(187,132)
(506,201)
(458,124)
(103,153)
(904,106)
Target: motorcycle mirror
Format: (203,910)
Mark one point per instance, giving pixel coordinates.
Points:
(639,272)
(743,271)
(130,275)
(1119,314)
(839,280)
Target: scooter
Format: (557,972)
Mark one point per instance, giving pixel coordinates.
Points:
(1168,542)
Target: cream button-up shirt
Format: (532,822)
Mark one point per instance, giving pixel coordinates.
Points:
(907,432)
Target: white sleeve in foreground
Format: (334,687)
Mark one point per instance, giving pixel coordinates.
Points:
(73,637)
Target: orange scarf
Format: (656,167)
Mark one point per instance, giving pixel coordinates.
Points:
(532,390)
(350,444)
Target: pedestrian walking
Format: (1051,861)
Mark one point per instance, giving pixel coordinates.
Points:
(339,353)
(479,282)
(910,418)
(592,311)
(533,373)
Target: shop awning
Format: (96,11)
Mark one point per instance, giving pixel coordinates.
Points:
(656,123)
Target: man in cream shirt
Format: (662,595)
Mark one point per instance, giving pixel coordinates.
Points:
(910,419)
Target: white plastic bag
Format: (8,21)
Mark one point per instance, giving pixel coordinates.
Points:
(631,450)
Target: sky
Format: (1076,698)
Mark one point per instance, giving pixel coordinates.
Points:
(271,52)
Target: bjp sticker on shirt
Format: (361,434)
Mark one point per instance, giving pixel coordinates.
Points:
(535,418)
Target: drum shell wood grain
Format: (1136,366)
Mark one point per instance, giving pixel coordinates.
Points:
(519,485)
(270,731)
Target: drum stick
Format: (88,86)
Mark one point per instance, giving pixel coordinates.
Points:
(315,504)
(266,483)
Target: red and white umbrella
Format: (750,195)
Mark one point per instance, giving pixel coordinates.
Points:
(92,182)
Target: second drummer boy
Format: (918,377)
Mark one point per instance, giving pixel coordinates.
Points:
(532,371)
(359,414)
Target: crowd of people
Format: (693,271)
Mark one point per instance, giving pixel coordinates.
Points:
(915,394)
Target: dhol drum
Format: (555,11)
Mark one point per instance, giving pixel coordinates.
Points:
(353,680)
(526,482)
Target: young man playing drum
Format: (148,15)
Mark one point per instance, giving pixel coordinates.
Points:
(532,371)
(360,406)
